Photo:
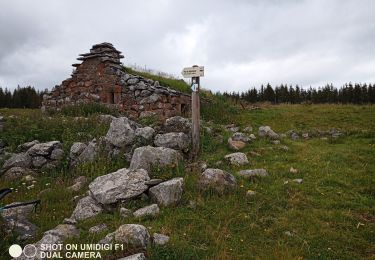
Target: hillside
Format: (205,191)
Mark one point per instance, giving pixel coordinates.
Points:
(329,213)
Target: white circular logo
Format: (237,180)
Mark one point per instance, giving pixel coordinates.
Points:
(15,250)
(29,251)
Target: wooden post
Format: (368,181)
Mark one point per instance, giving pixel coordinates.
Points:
(195,116)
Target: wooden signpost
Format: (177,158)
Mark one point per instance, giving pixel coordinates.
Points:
(194,72)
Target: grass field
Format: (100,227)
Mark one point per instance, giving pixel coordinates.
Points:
(331,215)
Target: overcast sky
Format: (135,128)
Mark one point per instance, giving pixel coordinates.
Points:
(241,43)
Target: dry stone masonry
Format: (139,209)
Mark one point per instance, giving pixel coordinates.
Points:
(100,78)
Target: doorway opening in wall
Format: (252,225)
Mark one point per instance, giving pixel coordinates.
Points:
(111,97)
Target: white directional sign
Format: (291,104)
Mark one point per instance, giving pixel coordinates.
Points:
(191,72)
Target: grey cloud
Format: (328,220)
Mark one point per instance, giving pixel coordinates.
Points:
(241,43)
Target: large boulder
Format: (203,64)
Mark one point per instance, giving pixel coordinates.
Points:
(145,134)
(168,192)
(80,152)
(217,179)
(177,124)
(120,185)
(132,235)
(237,159)
(178,141)
(23,160)
(147,157)
(266,131)
(121,132)
(86,208)
(17,172)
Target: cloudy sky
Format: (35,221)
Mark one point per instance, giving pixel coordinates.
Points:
(241,43)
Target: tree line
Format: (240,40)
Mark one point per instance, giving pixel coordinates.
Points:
(349,93)
(21,97)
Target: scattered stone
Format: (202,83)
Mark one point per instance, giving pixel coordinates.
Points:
(108,239)
(80,153)
(69,221)
(276,142)
(178,141)
(237,159)
(160,239)
(248,129)
(98,228)
(120,185)
(151,210)
(240,137)
(217,179)
(44,149)
(86,208)
(79,182)
(299,181)
(139,256)
(252,136)
(132,235)
(147,157)
(266,131)
(168,192)
(305,135)
(146,134)
(26,146)
(293,170)
(235,145)
(253,173)
(294,136)
(121,132)
(125,213)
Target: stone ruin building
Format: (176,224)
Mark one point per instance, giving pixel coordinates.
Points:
(100,78)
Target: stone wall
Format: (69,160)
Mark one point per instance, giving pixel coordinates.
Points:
(100,78)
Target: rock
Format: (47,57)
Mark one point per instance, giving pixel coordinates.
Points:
(44,149)
(17,172)
(217,179)
(177,141)
(145,134)
(139,256)
(147,157)
(160,239)
(120,185)
(294,136)
(39,161)
(248,129)
(235,145)
(125,213)
(266,131)
(305,135)
(28,178)
(121,132)
(15,220)
(252,136)
(79,182)
(69,221)
(108,239)
(76,149)
(86,208)
(233,128)
(153,182)
(132,235)
(237,159)
(250,193)
(98,228)
(253,173)
(240,137)
(276,142)
(151,210)
(168,192)
(299,181)
(89,153)
(26,146)
(293,170)
(177,124)
(57,154)
(18,160)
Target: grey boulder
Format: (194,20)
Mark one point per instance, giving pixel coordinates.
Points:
(86,208)
(217,179)
(151,210)
(132,235)
(121,132)
(168,192)
(23,160)
(266,131)
(237,159)
(120,185)
(177,124)
(178,141)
